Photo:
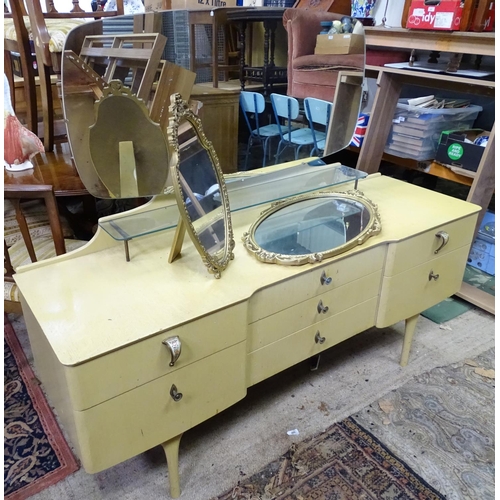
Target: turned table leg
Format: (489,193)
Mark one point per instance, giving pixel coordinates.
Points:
(410,324)
(171,449)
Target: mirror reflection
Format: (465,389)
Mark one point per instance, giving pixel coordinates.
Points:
(201,192)
(134,49)
(200,189)
(312,227)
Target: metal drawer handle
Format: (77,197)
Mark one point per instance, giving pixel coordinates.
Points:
(321,308)
(174,346)
(319,339)
(176,396)
(433,276)
(444,237)
(324,279)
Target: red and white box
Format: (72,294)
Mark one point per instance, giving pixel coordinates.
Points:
(446,15)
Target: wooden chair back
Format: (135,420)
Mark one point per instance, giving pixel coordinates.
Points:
(16,194)
(50,62)
(21,45)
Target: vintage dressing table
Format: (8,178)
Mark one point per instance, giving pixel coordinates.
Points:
(134,353)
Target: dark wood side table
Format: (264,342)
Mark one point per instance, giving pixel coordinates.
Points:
(268,74)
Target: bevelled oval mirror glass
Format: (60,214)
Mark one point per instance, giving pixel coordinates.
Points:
(200,189)
(310,228)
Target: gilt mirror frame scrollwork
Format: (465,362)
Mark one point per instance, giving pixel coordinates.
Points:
(180,113)
(371,228)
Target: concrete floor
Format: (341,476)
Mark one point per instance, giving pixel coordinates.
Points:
(244,438)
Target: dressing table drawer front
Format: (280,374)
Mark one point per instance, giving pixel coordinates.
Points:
(429,245)
(147,416)
(120,371)
(413,291)
(308,342)
(311,311)
(312,283)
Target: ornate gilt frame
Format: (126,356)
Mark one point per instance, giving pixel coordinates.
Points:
(179,111)
(372,228)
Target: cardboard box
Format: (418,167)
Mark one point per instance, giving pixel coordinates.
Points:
(455,151)
(156,5)
(446,15)
(340,43)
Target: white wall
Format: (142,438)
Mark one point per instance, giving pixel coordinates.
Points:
(393,15)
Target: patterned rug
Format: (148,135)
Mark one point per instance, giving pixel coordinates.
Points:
(36,454)
(345,462)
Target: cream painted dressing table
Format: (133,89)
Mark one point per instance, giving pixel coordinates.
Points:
(97,323)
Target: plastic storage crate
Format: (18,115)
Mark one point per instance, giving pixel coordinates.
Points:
(482,252)
(415,131)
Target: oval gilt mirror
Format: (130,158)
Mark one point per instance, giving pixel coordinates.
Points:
(199,187)
(310,228)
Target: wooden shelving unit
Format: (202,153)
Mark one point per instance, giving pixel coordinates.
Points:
(389,84)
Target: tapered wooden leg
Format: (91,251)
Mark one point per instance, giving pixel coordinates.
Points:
(171,449)
(410,325)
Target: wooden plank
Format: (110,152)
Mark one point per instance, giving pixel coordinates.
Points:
(432,80)
(483,187)
(448,174)
(463,42)
(379,125)
(477,297)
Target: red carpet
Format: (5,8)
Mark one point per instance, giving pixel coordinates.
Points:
(36,455)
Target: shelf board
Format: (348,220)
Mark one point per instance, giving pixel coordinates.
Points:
(462,42)
(477,297)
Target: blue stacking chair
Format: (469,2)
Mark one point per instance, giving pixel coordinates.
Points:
(252,103)
(287,108)
(318,113)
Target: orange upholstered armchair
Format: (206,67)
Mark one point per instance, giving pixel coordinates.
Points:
(311,75)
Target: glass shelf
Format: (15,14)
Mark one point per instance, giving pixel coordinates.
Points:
(244,192)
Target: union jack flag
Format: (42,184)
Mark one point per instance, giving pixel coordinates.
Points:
(360,131)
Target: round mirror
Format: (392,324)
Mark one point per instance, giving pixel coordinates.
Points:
(309,228)
(199,187)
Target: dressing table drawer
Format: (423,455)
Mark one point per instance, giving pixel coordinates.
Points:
(148,415)
(287,293)
(414,251)
(103,378)
(319,308)
(308,342)
(421,287)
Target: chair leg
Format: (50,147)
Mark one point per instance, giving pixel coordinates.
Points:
(278,152)
(47,105)
(249,144)
(265,147)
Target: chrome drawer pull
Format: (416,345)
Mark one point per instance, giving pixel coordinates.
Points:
(433,276)
(174,346)
(321,308)
(176,396)
(444,237)
(324,279)
(319,339)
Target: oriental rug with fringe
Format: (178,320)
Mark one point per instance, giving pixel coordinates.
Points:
(36,455)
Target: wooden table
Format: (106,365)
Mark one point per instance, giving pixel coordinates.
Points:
(269,73)
(55,168)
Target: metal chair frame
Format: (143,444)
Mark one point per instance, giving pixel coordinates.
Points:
(318,112)
(287,108)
